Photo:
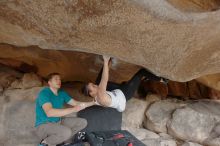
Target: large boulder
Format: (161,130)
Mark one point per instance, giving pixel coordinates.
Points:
(182,90)
(133,116)
(17,122)
(212,81)
(1,90)
(22,94)
(212,142)
(74,89)
(190,144)
(29,80)
(153,34)
(159,113)
(142,133)
(73,66)
(17,112)
(6,79)
(151,98)
(214,137)
(2,134)
(160,142)
(195,121)
(195,5)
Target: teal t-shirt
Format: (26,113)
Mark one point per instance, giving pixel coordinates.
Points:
(57,101)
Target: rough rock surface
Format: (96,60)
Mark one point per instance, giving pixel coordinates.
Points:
(154,34)
(159,113)
(213,142)
(142,133)
(26,94)
(73,66)
(29,80)
(183,90)
(133,115)
(191,144)
(6,79)
(195,121)
(196,5)
(17,119)
(160,142)
(212,81)
(176,39)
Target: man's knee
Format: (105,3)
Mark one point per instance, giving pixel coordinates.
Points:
(84,123)
(40,132)
(81,123)
(217,129)
(66,133)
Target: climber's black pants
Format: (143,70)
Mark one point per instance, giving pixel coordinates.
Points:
(129,87)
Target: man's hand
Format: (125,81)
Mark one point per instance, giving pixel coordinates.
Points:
(53,112)
(77,108)
(86,104)
(82,106)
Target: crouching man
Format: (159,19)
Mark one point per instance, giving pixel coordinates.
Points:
(54,124)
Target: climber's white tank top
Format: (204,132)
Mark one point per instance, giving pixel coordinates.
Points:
(118,99)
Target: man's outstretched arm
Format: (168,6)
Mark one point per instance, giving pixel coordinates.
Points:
(52,112)
(81,104)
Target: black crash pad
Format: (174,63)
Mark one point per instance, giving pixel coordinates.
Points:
(113,138)
(101,118)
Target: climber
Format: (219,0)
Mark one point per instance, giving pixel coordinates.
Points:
(109,94)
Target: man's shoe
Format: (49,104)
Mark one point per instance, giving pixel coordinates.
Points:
(68,144)
(61,144)
(79,137)
(42,144)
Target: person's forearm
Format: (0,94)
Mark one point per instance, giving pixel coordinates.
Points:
(61,112)
(105,75)
(88,104)
(81,104)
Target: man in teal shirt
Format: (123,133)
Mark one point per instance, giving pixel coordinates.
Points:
(52,124)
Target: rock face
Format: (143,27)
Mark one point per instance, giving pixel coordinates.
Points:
(176,39)
(160,142)
(132,118)
(191,144)
(29,80)
(6,79)
(213,142)
(158,114)
(212,81)
(195,5)
(17,119)
(73,66)
(196,121)
(191,129)
(154,34)
(21,131)
(214,137)
(184,90)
